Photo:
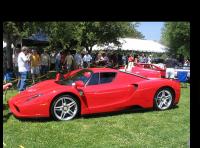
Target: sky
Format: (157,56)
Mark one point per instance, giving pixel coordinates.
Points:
(151,30)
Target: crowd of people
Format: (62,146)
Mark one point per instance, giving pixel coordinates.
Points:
(33,63)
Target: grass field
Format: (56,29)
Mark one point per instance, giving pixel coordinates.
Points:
(152,129)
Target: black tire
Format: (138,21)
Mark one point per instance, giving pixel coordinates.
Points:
(66,110)
(161,102)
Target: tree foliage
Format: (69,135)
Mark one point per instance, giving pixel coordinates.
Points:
(70,35)
(106,32)
(176,35)
(73,34)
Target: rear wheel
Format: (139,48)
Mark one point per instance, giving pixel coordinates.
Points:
(163,99)
(64,108)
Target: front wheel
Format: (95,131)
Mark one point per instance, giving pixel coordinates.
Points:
(64,108)
(163,99)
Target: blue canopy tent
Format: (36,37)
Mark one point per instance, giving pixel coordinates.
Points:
(38,39)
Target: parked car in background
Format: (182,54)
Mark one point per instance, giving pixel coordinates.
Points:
(157,60)
(153,67)
(140,70)
(172,63)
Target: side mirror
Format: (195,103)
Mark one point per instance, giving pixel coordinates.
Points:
(79,84)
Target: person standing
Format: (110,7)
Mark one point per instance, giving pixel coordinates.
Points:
(99,59)
(35,65)
(135,58)
(28,55)
(142,58)
(87,60)
(68,61)
(45,62)
(105,59)
(119,59)
(149,59)
(170,70)
(124,59)
(58,61)
(130,63)
(22,68)
(52,59)
(78,61)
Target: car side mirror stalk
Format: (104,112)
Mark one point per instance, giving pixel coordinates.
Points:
(79,84)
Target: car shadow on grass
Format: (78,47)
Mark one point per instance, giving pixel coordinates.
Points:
(127,111)
(6,113)
(98,115)
(39,119)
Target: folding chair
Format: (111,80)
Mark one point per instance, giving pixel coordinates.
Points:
(182,77)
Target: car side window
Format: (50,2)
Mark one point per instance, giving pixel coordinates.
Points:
(107,77)
(94,79)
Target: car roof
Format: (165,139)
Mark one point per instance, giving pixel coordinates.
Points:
(114,70)
(103,70)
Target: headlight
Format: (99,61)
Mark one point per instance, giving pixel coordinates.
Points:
(33,97)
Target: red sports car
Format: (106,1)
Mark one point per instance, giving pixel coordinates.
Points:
(94,90)
(140,70)
(152,67)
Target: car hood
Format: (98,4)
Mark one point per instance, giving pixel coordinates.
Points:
(41,88)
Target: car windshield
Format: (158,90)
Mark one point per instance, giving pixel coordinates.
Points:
(83,75)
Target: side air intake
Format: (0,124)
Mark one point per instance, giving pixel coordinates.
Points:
(135,86)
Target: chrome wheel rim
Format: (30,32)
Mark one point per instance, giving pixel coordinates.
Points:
(164,99)
(65,108)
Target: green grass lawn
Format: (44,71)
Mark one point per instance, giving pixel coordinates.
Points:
(152,129)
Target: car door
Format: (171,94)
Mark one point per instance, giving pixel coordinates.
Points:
(103,91)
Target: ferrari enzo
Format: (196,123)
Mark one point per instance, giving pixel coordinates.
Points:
(94,90)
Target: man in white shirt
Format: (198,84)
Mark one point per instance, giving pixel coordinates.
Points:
(22,68)
(87,59)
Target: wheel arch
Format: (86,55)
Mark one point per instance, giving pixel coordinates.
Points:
(65,93)
(173,96)
(169,87)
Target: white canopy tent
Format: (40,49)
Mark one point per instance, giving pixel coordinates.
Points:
(135,45)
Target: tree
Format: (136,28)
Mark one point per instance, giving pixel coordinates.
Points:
(105,32)
(14,31)
(10,35)
(134,33)
(176,35)
(71,34)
